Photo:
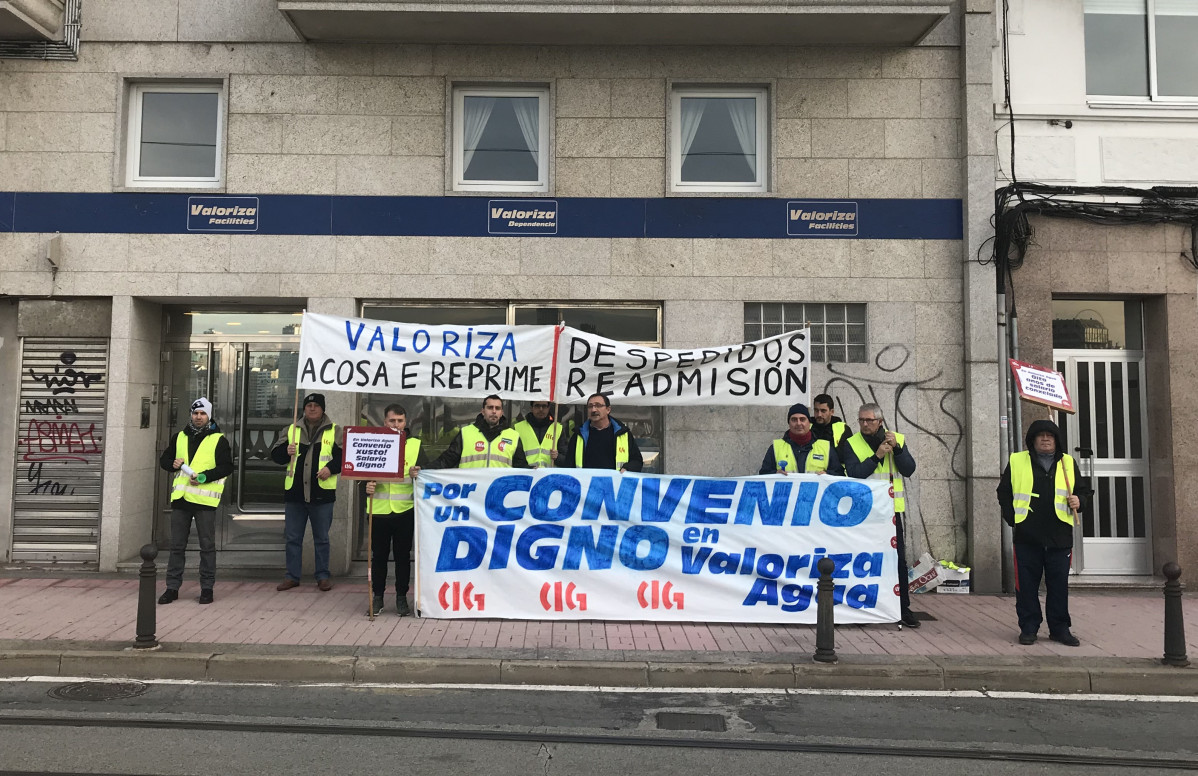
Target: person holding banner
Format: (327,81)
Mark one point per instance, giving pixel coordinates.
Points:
(798,451)
(602,442)
(394,519)
(309,497)
(824,423)
(875,451)
(1038,498)
(488,442)
(540,434)
(201,457)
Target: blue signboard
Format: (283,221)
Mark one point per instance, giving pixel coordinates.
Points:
(522,216)
(821,218)
(222,214)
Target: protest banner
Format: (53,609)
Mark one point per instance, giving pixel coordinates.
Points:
(1041,386)
(365,356)
(771,371)
(372,453)
(588,544)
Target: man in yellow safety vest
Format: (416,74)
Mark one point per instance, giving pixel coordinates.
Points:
(602,442)
(540,434)
(312,455)
(199,456)
(1037,495)
(798,451)
(875,451)
(488,442)
(394,519)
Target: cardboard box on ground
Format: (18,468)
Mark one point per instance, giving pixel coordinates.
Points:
(939,576)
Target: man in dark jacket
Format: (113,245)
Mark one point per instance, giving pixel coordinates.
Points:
(798,450)
(602,442)
(312,455)
(540,434)
(488,442)
(875,451)
(825,424)
(201,456)
(1037,495)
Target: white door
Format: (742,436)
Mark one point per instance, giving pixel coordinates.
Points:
(1108,437)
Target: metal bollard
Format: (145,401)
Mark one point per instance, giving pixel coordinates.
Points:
(825,621)
(1175,626)
(147,611)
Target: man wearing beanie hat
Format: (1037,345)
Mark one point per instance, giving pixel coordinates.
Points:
(195,495)
(312,455)
(876,451)
(798,450)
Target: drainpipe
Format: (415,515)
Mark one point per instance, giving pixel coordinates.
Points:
(1004,436)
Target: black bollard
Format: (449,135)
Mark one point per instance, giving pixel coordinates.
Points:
(1175,626)
(825,621)
(147,611)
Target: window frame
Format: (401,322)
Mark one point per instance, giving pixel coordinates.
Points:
(788,325)
(761,94)
(457,139)
(133,125)
(1153,97)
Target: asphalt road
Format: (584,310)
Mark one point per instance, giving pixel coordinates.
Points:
(184,728)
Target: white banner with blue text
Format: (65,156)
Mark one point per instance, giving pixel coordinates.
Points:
(365,356)
(555,363)
(589,544)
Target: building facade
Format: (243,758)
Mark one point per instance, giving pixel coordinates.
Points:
(173,198)
(1104,282)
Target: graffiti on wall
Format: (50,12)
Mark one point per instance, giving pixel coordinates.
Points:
(55,436)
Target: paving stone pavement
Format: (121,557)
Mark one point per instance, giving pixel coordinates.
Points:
(55,617)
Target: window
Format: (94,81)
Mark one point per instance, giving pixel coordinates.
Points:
(175,135)
(1141,48)
(719,139)
(501,139)
(837,330)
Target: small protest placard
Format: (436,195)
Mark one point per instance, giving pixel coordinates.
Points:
(1042,386)
(373,453)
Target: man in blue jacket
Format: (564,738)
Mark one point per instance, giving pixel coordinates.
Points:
(602,442)
(798,450)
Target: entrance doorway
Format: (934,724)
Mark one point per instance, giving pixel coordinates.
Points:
(1098,346)
(245,363)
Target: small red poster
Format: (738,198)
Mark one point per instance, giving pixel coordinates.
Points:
(373,453)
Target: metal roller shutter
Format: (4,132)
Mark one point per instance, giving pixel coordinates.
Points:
(60,450)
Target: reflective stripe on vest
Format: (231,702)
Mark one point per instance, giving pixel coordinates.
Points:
(396,496)
(208,493)
(1022,483)
(327,440)
(478,453)
(621,450)
(817,459)
(863,451)
(534,453)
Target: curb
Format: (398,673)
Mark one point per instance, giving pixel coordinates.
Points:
(215,663)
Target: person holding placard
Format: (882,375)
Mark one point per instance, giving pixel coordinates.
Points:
(1037,494)
(312,455)
(394,522)
(540,434)
(602,442)
(876,451)
(798,450)
(201,457)
(824,422)
(488,442)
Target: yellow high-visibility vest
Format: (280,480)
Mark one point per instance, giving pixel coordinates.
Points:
(884,472)
(206,493)
(621,450)
(1022,481)
(478,453)
(536,451)
(327,440)
(396,496)
(817,459)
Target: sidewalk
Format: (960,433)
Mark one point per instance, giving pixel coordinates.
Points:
(83,626)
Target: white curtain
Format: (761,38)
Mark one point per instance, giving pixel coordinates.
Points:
(476,113)
(528,113)
(692,113)
(744,120)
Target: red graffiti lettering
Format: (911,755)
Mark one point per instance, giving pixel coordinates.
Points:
(55,440)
